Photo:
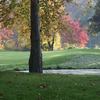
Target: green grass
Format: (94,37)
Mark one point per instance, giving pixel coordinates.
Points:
(13,59)
(70,58)
(73,58)
(21,86)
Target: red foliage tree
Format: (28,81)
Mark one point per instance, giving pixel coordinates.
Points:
(73,33)
(5,34)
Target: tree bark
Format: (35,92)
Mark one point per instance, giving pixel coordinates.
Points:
(35,60)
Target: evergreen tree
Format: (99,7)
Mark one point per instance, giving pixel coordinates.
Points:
(95,20)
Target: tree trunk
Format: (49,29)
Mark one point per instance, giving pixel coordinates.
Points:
(51,43)
(35,60)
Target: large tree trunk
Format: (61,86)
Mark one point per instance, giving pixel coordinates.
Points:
(35,60)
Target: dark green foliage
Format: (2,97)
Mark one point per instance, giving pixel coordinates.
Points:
(95,20)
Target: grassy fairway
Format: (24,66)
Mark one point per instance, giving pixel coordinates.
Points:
(12,59)
(20,86)
(71,58)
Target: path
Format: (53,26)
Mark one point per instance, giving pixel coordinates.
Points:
(72,71)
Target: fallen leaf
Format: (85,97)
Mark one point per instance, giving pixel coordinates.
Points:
(43,85)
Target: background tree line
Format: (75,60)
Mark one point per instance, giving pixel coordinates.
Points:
(14,16)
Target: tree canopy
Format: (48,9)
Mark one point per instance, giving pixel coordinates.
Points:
(95,20)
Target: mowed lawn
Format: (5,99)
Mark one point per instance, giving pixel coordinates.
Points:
(24,86)
(70,58)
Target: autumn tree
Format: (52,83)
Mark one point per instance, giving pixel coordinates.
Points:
(95,20)
(50,12)
(15,15)
(5,35)
(21,23)
(16,11)
(72,33)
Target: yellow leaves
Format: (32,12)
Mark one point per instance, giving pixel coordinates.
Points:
(57,44)
(61,8)
(25,27)
(50,10)
(51,13)
(41,12)
(1,46)
(49,2)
